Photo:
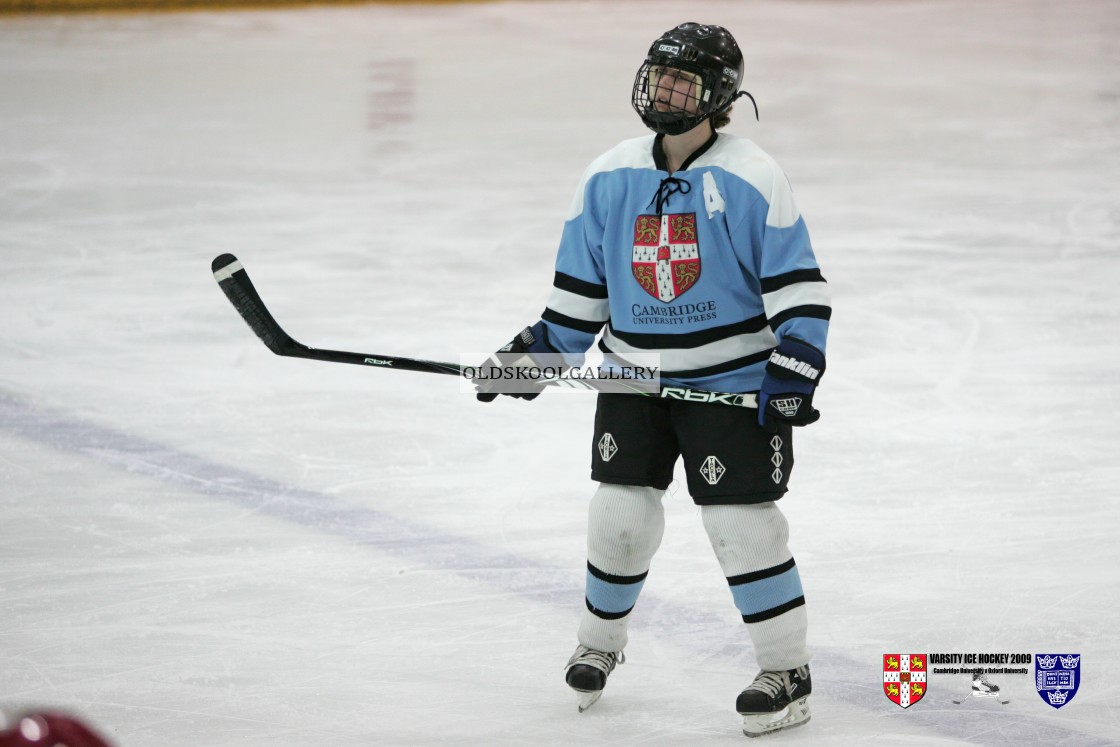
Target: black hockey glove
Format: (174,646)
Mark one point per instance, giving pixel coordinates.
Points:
(792,375)
(509,371)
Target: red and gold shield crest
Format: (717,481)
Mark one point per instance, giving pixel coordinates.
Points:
(904,678)
(666,254)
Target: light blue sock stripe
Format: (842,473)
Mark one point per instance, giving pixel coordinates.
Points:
(608,597)
(768,593)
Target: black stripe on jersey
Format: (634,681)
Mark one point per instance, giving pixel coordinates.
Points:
(579,287)
(608,615)
(612,578)
(774,611)
(581,325)
(719,368)
(696,373)
(769,285)
(655,342)
(746,578)
(809,311)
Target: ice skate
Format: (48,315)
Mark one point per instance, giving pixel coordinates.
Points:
(775,701)
(982,688)
(587,673)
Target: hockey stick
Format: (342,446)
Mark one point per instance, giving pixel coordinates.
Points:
(235,283)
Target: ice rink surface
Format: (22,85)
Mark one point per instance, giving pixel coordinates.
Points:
(204,545)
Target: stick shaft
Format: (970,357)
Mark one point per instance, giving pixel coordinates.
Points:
(235,283)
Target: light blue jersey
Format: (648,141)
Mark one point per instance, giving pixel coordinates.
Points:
(709,266)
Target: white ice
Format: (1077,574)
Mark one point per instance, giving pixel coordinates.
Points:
(202,544)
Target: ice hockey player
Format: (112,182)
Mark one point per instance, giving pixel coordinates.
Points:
(688,243)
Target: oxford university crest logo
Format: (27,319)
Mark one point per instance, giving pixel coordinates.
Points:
(1057,677)
(666,260)
(904,678)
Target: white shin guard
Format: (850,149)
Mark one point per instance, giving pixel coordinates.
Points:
(751,544)
(625,527)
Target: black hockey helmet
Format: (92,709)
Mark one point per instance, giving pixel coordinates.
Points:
(708,59)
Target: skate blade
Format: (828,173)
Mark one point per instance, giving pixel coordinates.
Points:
(795,714)
(587,698)
(1003,701)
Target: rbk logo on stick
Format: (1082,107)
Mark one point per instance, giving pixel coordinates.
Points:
(666,259)
(904,678)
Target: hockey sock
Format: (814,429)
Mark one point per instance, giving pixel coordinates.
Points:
(751,544)
(625,526)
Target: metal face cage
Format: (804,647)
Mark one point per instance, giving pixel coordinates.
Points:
(669,97)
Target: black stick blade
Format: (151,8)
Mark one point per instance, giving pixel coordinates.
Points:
(223,261)
(235,283)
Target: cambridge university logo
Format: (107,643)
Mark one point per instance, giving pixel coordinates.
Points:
(666,259)
(904,678)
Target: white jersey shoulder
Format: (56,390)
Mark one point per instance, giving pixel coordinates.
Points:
(744,159)
(636,153)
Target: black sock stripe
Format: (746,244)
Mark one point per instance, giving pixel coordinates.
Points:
(774,611)
(747,578)
(605,615)
(611,578)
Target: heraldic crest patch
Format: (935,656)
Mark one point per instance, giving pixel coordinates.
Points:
(1056,677)
(904,678)
(666,259)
